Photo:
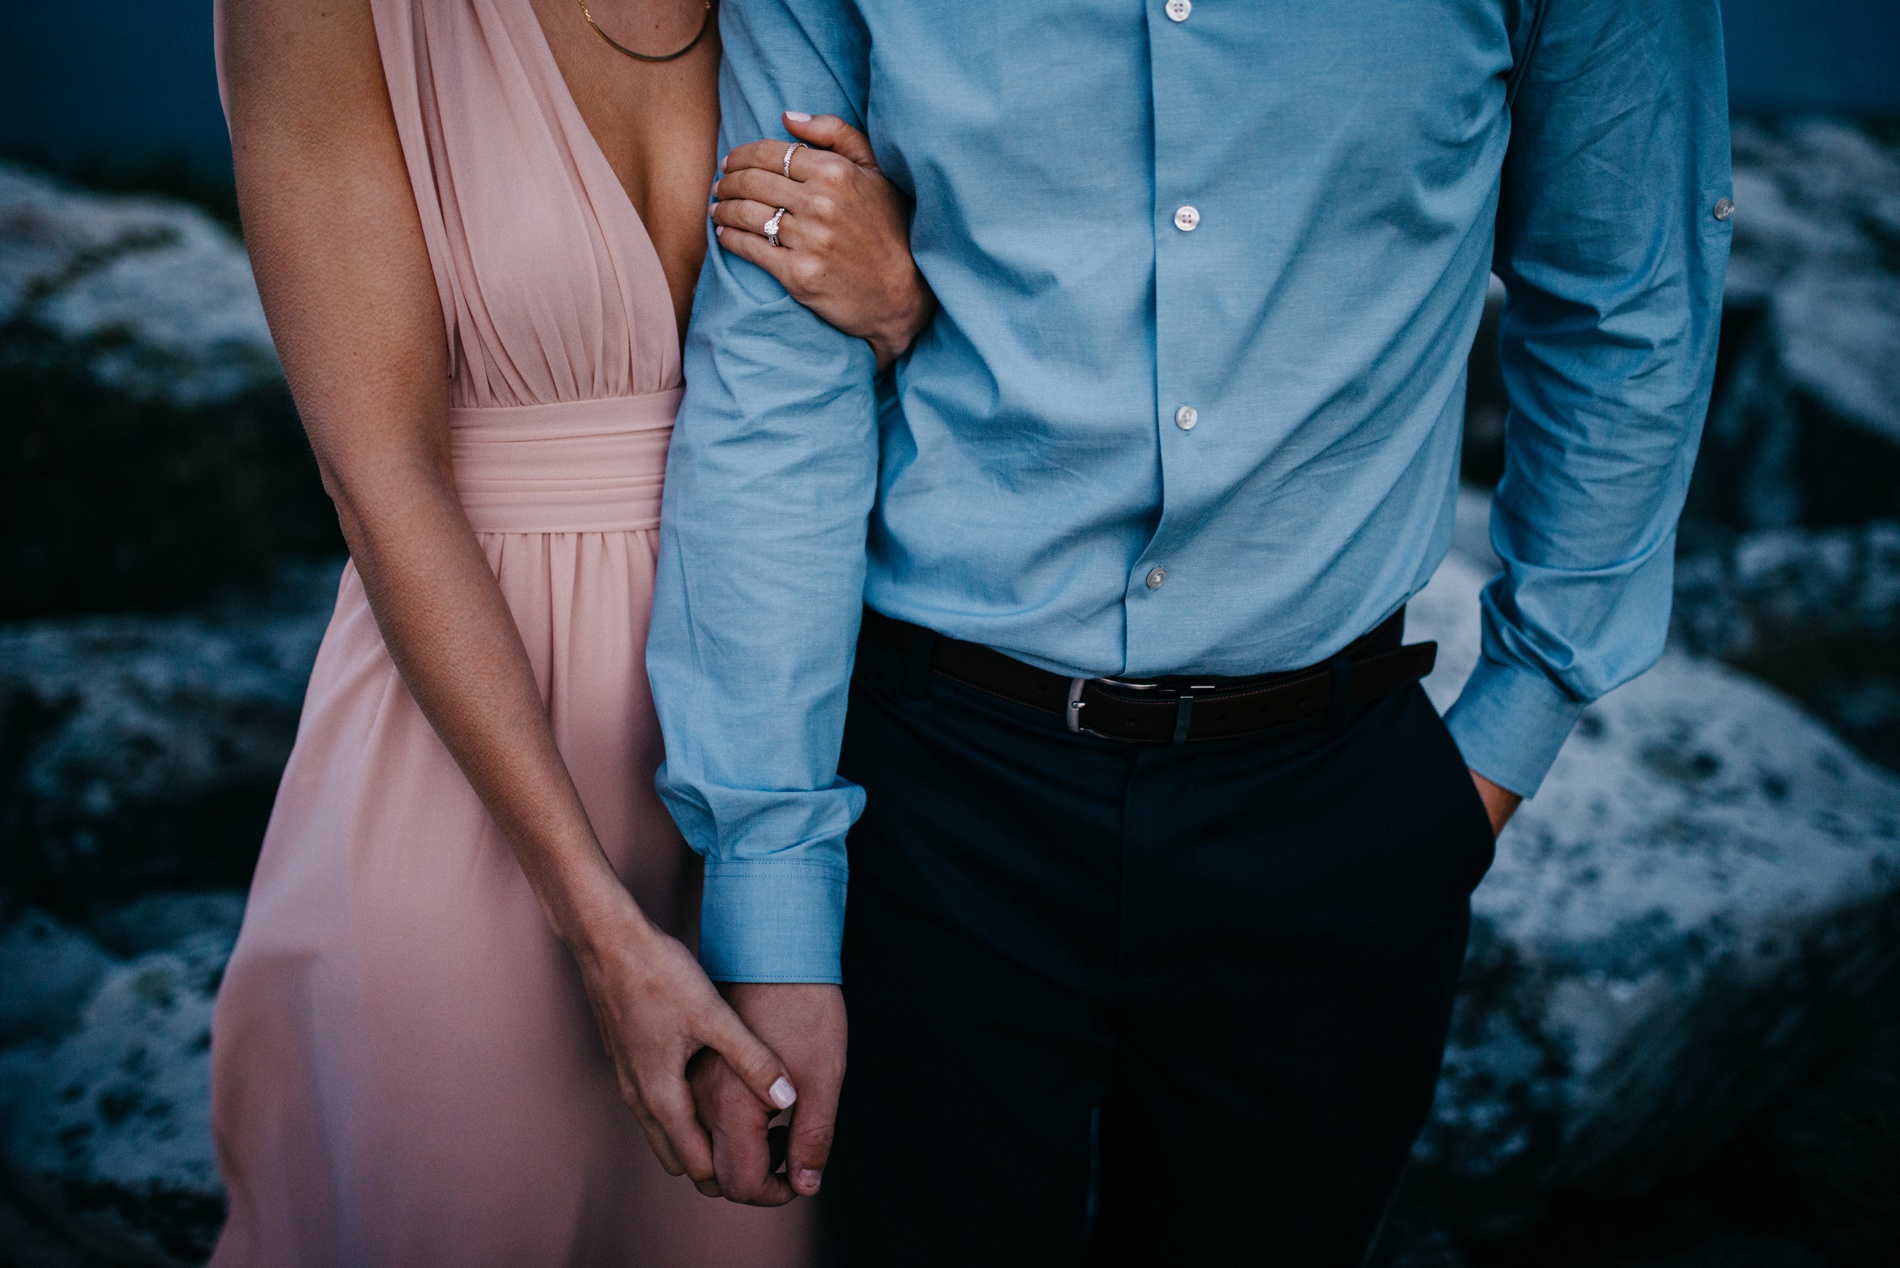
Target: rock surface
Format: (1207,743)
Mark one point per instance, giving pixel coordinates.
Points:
(1815,612)
(50,972)
(106,1128)
(1699,904)
(163,289)
(142,753)
(150,453)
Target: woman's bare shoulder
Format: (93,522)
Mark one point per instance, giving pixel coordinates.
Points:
(304,75)
(331,223)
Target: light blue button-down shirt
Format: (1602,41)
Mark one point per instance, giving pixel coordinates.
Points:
(1355,170)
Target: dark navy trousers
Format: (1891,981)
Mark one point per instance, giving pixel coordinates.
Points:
(1139,1004)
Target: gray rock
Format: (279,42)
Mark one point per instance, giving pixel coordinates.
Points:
(49,971)
(142,753)
(157,922)
(1815,612)
(104,1110)
(106,1132)
(171,286)
(1771,587)
(1700,903)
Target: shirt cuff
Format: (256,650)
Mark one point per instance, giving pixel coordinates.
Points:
(1510,722)
(772,920)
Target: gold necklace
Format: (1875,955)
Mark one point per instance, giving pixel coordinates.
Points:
(705,21)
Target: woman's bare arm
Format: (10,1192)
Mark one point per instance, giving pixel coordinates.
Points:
(345,277)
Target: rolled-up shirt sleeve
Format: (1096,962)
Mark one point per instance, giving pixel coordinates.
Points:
(769,484)
(1612,243)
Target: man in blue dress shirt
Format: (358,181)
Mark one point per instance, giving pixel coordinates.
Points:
(1095,599)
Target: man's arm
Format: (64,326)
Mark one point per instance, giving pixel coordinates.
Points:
(761,571)
(1612,251)
(769,485)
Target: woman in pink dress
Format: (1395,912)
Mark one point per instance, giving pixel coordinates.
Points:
(456,1026)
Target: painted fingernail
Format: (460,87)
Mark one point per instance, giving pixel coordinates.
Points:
(722,161)
(808,1180)
(798,116)
(782,1093)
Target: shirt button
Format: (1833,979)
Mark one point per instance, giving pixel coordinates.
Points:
(1724,208)
(1156,576)
(1179,9)
(1186,417)
(1186,218)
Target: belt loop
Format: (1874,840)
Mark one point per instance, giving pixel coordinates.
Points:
(917,658)
(1341,665)
(1183,715)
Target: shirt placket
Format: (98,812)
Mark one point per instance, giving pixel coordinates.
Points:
(1179,407)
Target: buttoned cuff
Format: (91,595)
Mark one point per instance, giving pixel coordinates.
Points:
(1510,722)
(772,920)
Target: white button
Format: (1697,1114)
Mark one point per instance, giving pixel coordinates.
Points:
(1186,417)
(1186,218)
(1156,576)
(1179,9)
(1724,208)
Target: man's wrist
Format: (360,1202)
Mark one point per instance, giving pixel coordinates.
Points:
(1499,803)
(1510,722)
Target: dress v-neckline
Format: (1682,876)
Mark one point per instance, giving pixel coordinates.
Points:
(564,101)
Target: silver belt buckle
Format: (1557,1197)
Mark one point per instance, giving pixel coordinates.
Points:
(1073,714)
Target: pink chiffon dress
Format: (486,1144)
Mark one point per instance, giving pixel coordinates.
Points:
(405,1068)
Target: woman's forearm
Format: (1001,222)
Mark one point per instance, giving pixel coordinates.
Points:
(454,641)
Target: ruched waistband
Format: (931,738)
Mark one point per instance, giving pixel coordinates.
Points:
(574,467)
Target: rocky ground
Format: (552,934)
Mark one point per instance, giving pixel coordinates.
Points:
(150,455)
(1678,1043)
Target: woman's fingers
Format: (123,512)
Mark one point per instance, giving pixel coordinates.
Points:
(757,1066)
(668,1099)
(832,133)
(784,265)
(639,1096)
(741,213)
(754,185)
(768,156)
(809,165)
(800,272)
(656,1137)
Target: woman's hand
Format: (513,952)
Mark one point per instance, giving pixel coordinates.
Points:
(656,1010)
(844,241)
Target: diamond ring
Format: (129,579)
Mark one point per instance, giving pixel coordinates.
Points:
(786,167)
(771,226)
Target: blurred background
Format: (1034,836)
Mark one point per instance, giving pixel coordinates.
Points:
(1679,1038)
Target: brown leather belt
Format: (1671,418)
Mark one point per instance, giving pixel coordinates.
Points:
(1175,710)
